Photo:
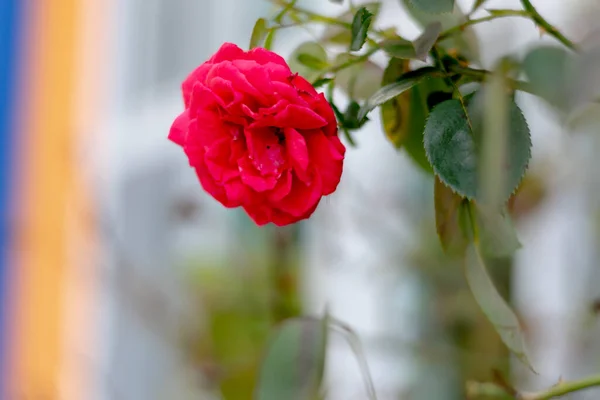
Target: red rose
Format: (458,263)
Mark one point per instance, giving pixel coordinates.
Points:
(259,136)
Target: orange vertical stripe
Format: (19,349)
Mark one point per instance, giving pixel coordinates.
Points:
(47,147)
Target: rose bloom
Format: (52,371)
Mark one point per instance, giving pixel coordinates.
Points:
(259,136)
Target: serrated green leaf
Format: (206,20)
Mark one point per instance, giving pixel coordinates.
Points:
(259,32)
(427,39)
(359,81)
(451,218)
(402,84)
(340,35)
(294,363)
(452,147)
(433,6)
(494,306)
(547,69)
(360,28)
(307,49)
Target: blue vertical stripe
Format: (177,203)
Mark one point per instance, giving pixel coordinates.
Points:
(11,14)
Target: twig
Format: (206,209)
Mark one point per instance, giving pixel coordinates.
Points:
(475,389)
(551,30)
(459,28)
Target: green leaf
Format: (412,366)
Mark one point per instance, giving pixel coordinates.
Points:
(311,61)
(419,49)
(547,69)
(452,147)
(465,42)
(269,39)
(321,82)
(340,35)
(295,361)
(427,39)
(259,32)
(493,305)
(403,117)
(497,234)
(451,218)
(359,81)
(402,84)
(399,48)
(477,5)
(360,28)
(433,6)
(311,51)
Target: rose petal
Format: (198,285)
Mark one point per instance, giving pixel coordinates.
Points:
(302,84)
(265,151)
(282,188)
(251,177)
(216,159)
(296,148)
(237,193)
(211,186)
(198,76)
(264,56)
(227,52)
(325,158)
(227,71)
(179,129)
(293,116)
(302,197)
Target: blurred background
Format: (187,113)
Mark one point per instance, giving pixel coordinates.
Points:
(122,280)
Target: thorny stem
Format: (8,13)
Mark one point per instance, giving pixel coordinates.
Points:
(551,30)
(562,388)
(459,28)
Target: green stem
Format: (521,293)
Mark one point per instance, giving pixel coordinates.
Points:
(459,28)
(349,63)
(313,15)
(563,388)
(551,30)
(477,389)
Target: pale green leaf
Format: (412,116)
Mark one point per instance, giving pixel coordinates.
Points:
(295,360)
(259,32)
(547,69)
(451,218)
(399,48)
(359,81)
(427,39)
(494,306)
(465,42)
(497,234)
(307,50)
